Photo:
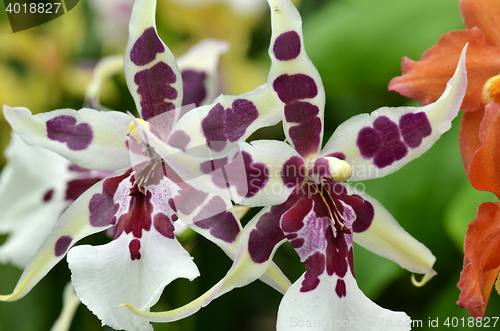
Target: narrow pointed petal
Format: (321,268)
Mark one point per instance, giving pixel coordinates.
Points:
(482,260)
(468,136)
(32,196)
(484,15)
(198,67)
(324,309)
(385,237)
(425,79)
(295,80)
(152,75)
(484,171)
(70,303)
(89,214)
(106,68)
(89,138)
(105,276)
(382,142)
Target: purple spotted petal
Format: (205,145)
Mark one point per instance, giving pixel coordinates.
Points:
(152,75)
(65,130)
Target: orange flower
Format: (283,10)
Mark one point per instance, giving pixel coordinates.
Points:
(424,79)
(479,136)
(482,242)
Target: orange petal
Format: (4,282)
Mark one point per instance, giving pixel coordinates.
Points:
(484,14)
(482,259)
(468,136)
(425,80)
(484,171)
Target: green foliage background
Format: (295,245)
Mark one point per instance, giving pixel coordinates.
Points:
(357,46)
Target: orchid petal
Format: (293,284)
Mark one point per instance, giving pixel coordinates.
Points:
(425,79)
(323,308)
(106,68)
(385,237)
(152,75)
(257,244)
(32,196)
(484,167)
(382,142)
(295,80)
(89,138)
(482,261)
(484,15)
(89,214)
(199,71)
(104,277)
(468,136)
(70,303)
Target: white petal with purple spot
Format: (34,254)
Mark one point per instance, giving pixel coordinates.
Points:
(382,142)
(89,138)
(105,276)
(324,309)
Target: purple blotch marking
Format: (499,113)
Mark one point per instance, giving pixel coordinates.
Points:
(101,209)
(163,225)
(267,233)
(293,219)
(222,125)
(222,224)
(287,46)
(154,87)
(336,253)
(306,136)
(340,288)
(138,217)
(179,139)
(213,126)
(134,247)
(193,83)
(321,168)
(338,155)
(239,117)
(364,216)
(293,172)
(62,245)
(315,265)
(171,203)
(64,129)
(48,195)
(382,142)
(297,243)
(300,111)
(414,127)
(257,176)
(146,47)
(77,187)
(292,88)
